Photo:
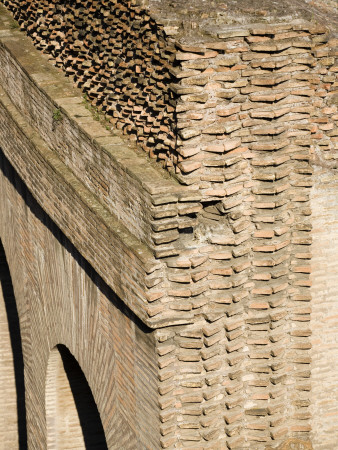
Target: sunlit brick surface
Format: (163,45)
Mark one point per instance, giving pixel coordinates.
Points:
(184,294)
(324,315)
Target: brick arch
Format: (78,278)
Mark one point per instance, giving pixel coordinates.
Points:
(13,432)
(72,417)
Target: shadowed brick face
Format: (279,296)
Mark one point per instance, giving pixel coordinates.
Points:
(9,420)
(183,290)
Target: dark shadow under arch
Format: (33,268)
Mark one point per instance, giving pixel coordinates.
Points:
(66,398)
(16,344)
(89,416)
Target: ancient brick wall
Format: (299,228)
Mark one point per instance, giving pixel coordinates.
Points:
(69,304)
(8,399)
(323,325)
(118,55)
(214,256)
(251,160)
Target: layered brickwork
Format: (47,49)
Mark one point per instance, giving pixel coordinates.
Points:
(325,118)
(98,165)
(249,370)
(118,55)
(160,206)
(230,89)
(70,304)
(225,259)
(130,66)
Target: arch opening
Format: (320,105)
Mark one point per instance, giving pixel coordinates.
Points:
(72,417)
(13,431)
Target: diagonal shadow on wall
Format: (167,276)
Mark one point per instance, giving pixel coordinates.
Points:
(11,174)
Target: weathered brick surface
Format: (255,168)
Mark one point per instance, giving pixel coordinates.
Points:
(70,304)
(324,310)
(129,80)
(9,419)
(221,249)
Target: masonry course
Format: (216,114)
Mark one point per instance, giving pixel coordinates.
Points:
(210,247)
